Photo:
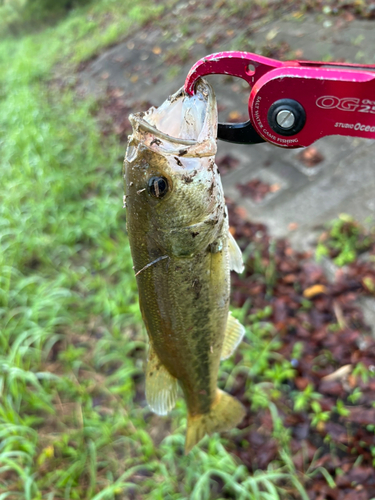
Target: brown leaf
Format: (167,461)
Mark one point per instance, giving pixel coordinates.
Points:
(255,189)
(333,388)
(349,17)
(275,187)
(355,495)
(337,432)
(310,157)
(301,383)
(237,117)
(234,115)
(362,416)
(227,163)
(340,374)
(314,290)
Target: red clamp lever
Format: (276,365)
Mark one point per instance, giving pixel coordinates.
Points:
(294,103)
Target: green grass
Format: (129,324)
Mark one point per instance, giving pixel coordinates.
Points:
(82,32)
(72,420)
(344,240)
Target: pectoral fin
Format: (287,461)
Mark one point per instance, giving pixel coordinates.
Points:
(235,255)
(233,336)
(161,387)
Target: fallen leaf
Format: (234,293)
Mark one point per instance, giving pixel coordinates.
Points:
(339,315)
(227,163)
(234,115)
(331,388)
(369,283)
(339,374)
(310,157)
(362,416)
(255,188)
(314,290)
(321,426)
(301,383)
(117,93)
(349,17)
(274,187)
(352,380)
(272,34)
(290,278)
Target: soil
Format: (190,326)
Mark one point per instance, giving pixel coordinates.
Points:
(344,445)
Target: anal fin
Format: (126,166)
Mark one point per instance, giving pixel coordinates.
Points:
(235,255)
(233,335)
(161,386)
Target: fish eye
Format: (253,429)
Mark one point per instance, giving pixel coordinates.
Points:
(158,186)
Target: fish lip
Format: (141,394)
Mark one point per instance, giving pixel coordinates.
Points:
(163,143)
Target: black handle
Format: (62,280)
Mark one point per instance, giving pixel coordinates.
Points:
(239,133)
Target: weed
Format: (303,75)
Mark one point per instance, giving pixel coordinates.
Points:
(355,396)
(360,370)
(319,417)
(303,399)
(344,240)
(261,263)
(341,410)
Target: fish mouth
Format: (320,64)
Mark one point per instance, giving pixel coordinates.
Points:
(183,125)
(144,125)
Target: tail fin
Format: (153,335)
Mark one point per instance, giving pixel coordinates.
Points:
(225,413)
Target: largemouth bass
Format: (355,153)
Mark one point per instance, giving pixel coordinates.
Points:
(183,252)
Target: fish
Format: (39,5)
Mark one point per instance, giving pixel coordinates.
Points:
(183,252)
